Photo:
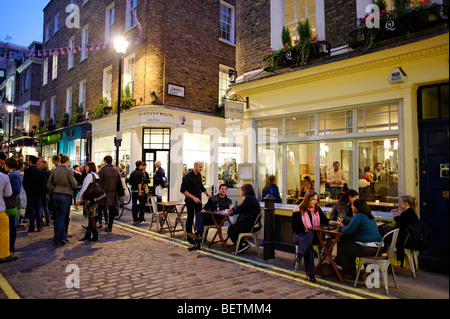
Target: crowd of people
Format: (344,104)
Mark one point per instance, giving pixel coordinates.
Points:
(35,196)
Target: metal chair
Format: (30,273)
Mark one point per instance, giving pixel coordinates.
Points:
(157,216)
(253,234)
(382,260)
(412,256)
(316,248)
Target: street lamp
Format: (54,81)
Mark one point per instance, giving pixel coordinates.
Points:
(121,45)
(10,108)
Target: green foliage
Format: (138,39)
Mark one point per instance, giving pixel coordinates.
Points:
(286,37)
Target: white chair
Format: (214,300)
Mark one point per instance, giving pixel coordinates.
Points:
(316,248)
(412,256)
(157,216)
(382,260)
(253,234)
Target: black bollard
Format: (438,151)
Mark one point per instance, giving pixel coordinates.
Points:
(269,227)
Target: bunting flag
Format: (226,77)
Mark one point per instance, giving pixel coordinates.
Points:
(64,50)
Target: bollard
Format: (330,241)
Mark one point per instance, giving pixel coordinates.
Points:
(269,227)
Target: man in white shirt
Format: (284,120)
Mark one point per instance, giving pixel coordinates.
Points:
(336,178)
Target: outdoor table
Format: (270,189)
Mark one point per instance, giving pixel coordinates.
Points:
(327,250)
(226,215)
(382,204)
(169,207)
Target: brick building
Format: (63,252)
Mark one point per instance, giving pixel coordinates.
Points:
(21,87)
(177,62)
(378,99)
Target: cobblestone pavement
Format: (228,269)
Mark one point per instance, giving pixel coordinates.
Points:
(133,262)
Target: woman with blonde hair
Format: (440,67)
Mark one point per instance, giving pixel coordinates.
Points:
(305,216)
(407,205)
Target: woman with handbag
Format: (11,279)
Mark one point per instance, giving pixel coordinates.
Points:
(5,191)
(90,208)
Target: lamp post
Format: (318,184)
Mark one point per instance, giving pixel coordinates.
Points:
(10,109)
(121,45)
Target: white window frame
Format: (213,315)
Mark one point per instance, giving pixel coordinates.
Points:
(69,100)
(82,94)
(43,110)
(223,72)
(47,32)
(45,73)
(107,85)
(55,66)
(56,26)
(129,16)
(232,23)
(109,26)
(53,108)
(84,42)
(129,75)
(71,56)
(27,79)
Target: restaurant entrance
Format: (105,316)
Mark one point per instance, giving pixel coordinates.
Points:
(433,111)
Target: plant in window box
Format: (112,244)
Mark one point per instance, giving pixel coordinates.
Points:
(126,100)
(64,122)
(102,108)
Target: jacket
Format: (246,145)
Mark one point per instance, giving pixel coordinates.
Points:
(61,180)
(109,175)
(5,190)
(297,222)
(249,210)
(34,181)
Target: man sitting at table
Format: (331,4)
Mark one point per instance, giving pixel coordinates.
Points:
(202,218)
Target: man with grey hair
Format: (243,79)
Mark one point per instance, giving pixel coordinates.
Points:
(192,188)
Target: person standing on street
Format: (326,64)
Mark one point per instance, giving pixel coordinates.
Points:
(12,203)
(109,175)
(137,193)
(192,188)
(5,191)
(61,184)
(158,180)
(34,183)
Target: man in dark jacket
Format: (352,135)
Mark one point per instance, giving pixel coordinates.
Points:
(109,175)
(137,193)
(202,218)
(34,184)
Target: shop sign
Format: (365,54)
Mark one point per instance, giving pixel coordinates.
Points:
(176,90)
(234,110)
(156,116)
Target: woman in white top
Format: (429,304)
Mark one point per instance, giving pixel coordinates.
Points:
(90,209)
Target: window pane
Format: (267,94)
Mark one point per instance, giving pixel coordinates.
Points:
(378,170)
(269,163)
(299,166)
(332,182)
(444,101)
(430,103)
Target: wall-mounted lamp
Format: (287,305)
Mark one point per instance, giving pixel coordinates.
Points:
(154,97)
(232,75)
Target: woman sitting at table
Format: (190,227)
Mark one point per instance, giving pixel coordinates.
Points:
(272,188)
(361,239)
(343,208)
(407,205)
(306,215)
(248,211)
(307,186)
(368,174)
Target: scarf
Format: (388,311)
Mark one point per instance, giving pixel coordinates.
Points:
(315,217)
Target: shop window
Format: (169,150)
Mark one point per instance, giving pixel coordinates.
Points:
(269,163)
(380,118)
(334,123)
(378,170)
(300,126)
(300,165)
(157,138)
(270,129)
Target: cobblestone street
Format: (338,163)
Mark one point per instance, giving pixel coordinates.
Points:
(133,262)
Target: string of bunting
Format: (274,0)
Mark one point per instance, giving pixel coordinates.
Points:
(62,51)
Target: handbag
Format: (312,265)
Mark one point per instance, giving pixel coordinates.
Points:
(11,204)
(94,192)
(165,182)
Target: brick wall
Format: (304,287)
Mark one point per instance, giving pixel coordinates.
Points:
(253,34)
(180,45)
(340,17)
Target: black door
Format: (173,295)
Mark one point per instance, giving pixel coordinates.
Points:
(433,110)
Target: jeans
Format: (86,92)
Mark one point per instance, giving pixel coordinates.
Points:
(138,208)
(240,227)
(202,219)
(34,205)
(305,243)
(62,204)
(44,209)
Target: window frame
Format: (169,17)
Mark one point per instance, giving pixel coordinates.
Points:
(232,23)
